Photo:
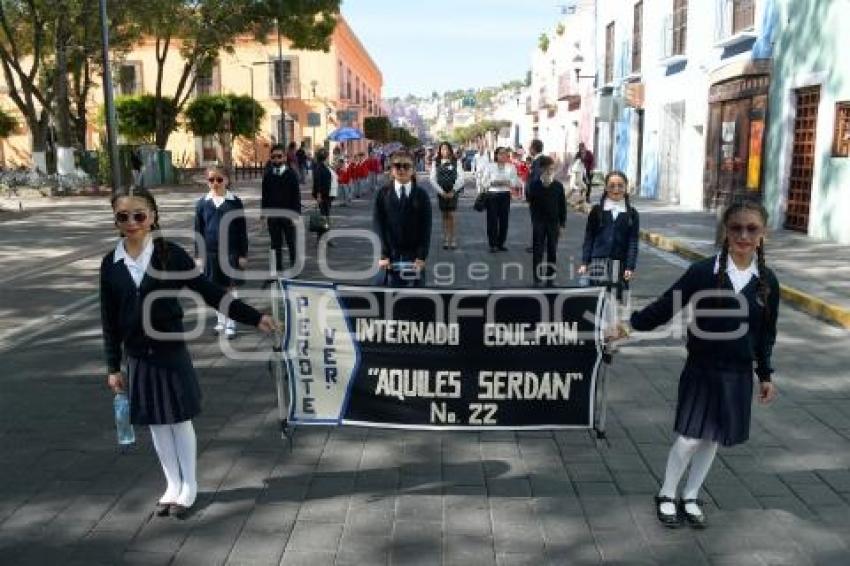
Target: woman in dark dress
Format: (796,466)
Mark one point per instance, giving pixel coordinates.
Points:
(447,179)
(736,300)
(143,338)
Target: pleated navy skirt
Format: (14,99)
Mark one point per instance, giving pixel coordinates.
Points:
(214,272)
(163,392)
(714,403)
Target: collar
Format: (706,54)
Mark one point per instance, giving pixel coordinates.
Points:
(227,196)
(121,252)
(398,186)
(614,204)
(731,268)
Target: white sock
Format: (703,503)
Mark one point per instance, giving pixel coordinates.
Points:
(230,323)
(184,441)
(220,318)
(677,461)
(163,443)
(700,465)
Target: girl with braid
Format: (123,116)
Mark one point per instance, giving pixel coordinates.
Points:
(611,235)
(730,338)
(146,354)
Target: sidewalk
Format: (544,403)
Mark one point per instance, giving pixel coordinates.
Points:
(814,274)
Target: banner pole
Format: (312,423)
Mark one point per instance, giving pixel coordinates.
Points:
(278,372)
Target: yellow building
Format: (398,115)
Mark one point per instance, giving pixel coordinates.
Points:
(333,89)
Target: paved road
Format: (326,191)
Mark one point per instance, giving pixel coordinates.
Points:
(352,496)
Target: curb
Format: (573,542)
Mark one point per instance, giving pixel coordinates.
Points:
(800,299)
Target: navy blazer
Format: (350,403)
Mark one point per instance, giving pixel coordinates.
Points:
(605,237)
(121,304)
(281,191)
(405,234)
(208,223)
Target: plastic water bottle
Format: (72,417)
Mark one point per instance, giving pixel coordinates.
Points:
(121,404)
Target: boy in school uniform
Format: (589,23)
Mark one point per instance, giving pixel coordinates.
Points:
(281,191)
(548,206)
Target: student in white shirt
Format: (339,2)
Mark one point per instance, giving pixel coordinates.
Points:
(497,181)
(447,179)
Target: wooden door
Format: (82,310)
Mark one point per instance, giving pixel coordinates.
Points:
(803,159)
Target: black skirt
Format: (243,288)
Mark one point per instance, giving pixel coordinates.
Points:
(163,392)
(214,272)
(714,403)
(449,203)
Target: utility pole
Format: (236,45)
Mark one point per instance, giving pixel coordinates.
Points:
(253,109)
(109,100)
(279,66)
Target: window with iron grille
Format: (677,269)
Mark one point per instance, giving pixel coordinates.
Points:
(841,137)
(130,77)
(205,82)
(637,37)
(743,15)
(348,85)
(208,149)
(357,90)
(609,52)
(283,77)
(680,27)
(341,80)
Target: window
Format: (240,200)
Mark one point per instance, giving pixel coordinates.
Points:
(841,139)
(284,78)
(609,53)
(680,27)
(348,85)
(357,90)
(206,82)
(637,37)
(743,15)
(341,80)
(130,77)
(208,149)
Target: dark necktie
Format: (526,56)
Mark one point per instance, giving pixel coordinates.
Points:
(403,199)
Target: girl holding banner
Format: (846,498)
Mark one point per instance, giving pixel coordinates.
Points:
(143,338)
(736,301)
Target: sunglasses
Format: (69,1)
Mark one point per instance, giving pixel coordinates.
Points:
(124,217)
(745,230)
(402,166)
(215,180)
(277,157)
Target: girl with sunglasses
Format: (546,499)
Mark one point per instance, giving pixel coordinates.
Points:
(146,354)
(731,337)
(210,210)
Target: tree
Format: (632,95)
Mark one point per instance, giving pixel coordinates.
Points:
(136,117)
(560,29)
(226,117)
(8,124)
(543,42)
(377,128)
(200,29)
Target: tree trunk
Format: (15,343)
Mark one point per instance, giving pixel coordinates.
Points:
(38,131)
(64,144)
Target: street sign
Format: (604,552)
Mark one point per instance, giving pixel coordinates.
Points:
(314,119)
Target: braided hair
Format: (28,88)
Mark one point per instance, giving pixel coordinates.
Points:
(159,242)
(746,205)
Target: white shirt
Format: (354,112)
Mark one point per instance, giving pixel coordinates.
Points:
(739,277)
(458,182)
(138,266)
(615,206)
(398,187)
(218,200)
(495,173)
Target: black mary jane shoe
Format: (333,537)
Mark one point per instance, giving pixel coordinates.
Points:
(162,509)
(180,511)
(695,521)
(671,521)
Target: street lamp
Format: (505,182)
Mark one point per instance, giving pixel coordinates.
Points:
(253,109)
(578,60)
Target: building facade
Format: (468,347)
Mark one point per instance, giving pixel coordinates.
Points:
(306,95)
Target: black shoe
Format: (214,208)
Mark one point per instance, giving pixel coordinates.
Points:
(180,511)
(502,248)
(162,509)
(445,246)
(672,521)
(695,521)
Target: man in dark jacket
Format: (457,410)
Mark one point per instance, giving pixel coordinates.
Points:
(402,220)
(322,185)
(281,192)
(536,152)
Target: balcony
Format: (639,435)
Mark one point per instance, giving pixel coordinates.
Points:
(568,90)
(734,22)
(545,102)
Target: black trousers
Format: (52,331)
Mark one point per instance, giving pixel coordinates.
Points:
(281,229)
(498,212)
(544,236)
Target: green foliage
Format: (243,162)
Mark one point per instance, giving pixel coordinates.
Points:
(307,24)
(470,133)
(403,136)
(8,124)
(543,42)
(216,115)
(136,116)
(377,128)
(560,29)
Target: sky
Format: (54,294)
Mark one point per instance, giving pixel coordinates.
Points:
(426,45)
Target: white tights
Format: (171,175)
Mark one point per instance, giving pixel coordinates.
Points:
(700,454)
(176,447)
